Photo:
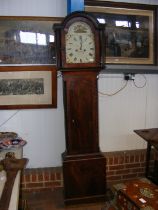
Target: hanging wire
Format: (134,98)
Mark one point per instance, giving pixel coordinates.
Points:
(112,94)
(145,81)
(9,118)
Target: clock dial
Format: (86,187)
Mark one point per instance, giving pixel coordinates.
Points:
(80,44)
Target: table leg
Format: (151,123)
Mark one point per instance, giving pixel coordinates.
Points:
(148,151)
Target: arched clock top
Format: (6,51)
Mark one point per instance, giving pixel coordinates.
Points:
(80,42)
(81,15)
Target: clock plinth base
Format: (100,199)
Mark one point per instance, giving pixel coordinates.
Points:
(84,178)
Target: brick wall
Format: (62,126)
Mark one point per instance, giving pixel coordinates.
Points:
(41,178)
(122,165)
(125,165)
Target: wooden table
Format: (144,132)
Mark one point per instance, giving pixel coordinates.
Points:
(151,137)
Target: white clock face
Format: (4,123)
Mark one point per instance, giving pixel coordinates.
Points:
(80,45)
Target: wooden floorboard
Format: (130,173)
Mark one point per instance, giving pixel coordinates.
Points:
(53,200)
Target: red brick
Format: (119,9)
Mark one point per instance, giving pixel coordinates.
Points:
(111,161)
(115,160)
(137,158)
(129,176)
(46,176)
(136,170)
(114,178)
(121,160)
(52,184)
(52,176)
(32,185)
(34,177)
(40,177)
(127,159)
(131,159)
(126,171)
(109,173)
(57,184)
(23,178)
(58,176)
(116,167)
(107,161)
(27,178)
(142,158)
(141,174)
(132,165)
(48,184)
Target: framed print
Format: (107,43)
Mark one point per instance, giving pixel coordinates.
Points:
(27,40)
(28,87)
(129,33)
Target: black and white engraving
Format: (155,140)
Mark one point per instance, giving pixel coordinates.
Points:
(21,86)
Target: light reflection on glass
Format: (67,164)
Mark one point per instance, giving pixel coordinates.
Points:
(41,39)
(27,42)
(101,20)
(51,38)
(27,37)
(123,23)
(137,25)
(126,35)
(127,24)
(32,38)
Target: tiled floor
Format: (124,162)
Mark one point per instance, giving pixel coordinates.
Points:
(53,200)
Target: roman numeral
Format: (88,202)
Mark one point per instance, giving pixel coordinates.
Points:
(70,54)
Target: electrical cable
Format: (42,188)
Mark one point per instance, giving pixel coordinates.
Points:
(9,118)
(112,94)
(143,84)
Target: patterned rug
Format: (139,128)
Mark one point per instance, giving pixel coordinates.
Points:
(109,207)
(111,200)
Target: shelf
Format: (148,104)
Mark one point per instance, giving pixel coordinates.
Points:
(135,69)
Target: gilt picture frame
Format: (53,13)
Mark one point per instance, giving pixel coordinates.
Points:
(28,87)
(129,33)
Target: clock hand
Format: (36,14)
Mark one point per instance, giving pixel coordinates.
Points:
(80,42)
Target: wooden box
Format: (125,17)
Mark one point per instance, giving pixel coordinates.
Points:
(138,194)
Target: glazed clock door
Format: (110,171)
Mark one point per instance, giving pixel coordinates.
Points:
(81,105)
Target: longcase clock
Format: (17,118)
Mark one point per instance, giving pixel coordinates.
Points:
(79,41)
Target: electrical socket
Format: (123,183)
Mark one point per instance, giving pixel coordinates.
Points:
(129,77)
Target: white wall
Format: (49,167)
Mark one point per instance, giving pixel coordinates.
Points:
(132,108)
(49,8)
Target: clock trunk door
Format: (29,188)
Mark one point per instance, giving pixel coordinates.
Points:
(81,105)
